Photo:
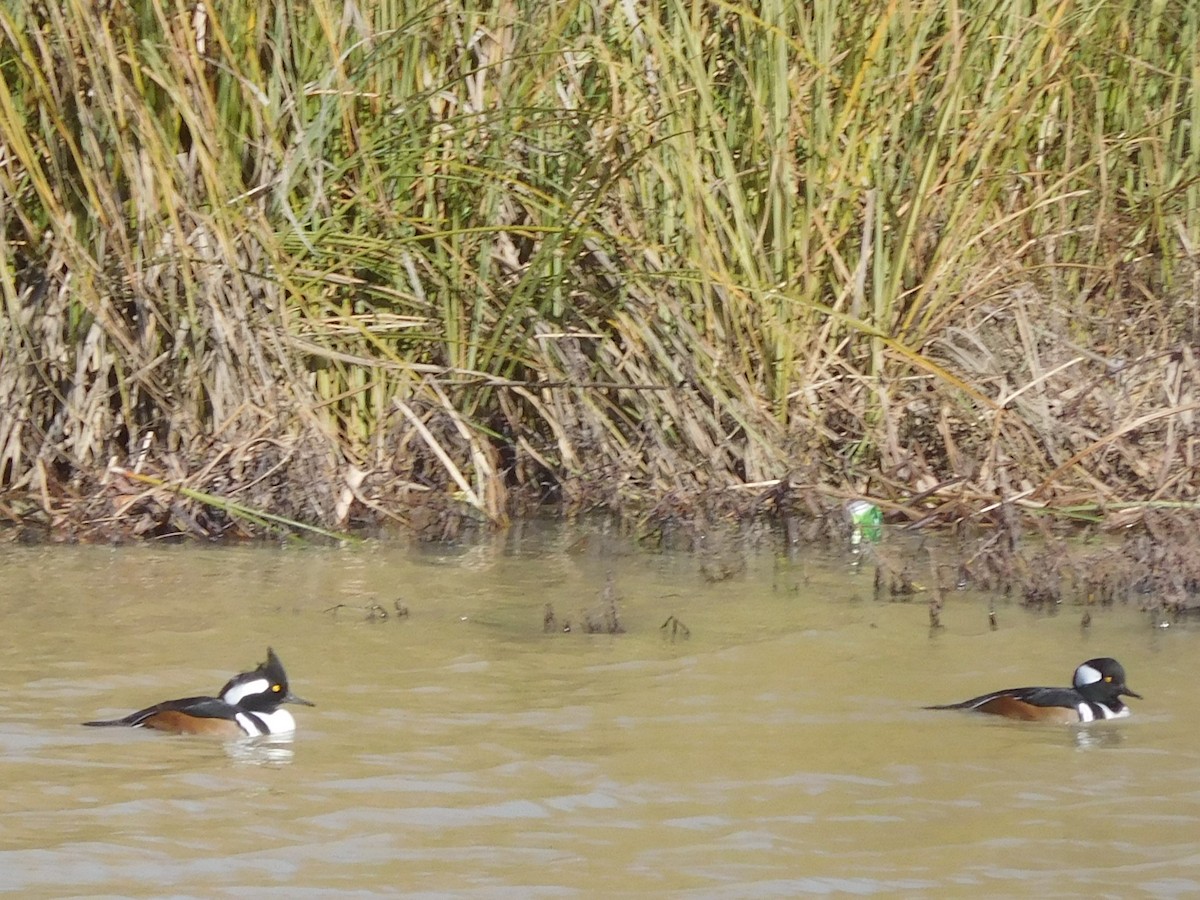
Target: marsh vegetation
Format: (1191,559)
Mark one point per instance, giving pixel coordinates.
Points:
(352,264)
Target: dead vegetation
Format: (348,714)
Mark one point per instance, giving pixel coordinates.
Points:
(1044,567)
(436,270)
(603,617)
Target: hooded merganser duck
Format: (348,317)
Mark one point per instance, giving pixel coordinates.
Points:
(250,704)
(1096,693)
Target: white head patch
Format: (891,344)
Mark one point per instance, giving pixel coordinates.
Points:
(1085,674)
(239,692)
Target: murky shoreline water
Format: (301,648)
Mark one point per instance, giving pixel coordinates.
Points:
(779,750)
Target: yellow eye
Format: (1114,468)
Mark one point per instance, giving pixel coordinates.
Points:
(1107,680)
(279,687)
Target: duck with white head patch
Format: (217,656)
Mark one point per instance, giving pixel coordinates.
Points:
(249,705)
(1095,694)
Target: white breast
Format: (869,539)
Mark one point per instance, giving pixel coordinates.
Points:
(1088,714)
(259,723)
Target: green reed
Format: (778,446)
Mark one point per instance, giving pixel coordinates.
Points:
(688,244)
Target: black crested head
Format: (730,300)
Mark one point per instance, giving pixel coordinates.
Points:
(263,690)
(1102,680)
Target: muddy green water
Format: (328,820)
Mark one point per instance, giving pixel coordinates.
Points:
(780,750)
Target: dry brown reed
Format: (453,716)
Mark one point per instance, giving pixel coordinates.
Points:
(349,265)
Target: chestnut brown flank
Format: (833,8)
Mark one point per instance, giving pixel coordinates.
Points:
(181,723)
(1019,709)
